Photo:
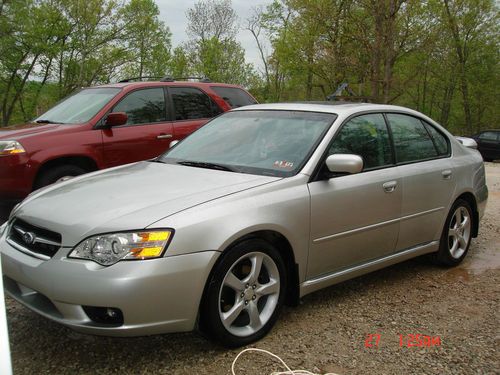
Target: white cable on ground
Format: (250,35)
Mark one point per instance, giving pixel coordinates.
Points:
(288,370)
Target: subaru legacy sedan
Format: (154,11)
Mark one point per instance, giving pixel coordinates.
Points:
(258,208)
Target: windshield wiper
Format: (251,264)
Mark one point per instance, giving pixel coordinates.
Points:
(44,121)
(202,164)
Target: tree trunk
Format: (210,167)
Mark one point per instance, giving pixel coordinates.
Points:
(309,82)
(448,96)
(19,90)
(462,62)
(376,50)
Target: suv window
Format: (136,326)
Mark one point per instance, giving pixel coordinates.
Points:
(488,136)
(234,96)
(440,141)
(144,106)
(191,103)
(411,140)
(366,136)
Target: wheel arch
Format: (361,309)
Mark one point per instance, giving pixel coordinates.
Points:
(471,199)
(284,246)
(84,162)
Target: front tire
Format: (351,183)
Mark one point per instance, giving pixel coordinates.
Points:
(457,234)
(58,174)
(245,294)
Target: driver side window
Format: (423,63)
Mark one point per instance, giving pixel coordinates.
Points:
(145,106)
(366,136)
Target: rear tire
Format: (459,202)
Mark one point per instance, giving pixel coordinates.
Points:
(244,294)
(457,235)
(58,173)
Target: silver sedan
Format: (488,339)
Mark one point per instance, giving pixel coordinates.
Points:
(258,208)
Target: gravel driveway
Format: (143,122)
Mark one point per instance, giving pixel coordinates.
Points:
(327,332)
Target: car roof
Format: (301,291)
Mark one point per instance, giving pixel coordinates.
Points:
(340,108)
(138,84)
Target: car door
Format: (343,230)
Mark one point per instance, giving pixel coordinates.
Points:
(422,155)
(355,218)
(191,109)
(148,131)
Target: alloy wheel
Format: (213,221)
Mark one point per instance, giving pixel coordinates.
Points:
(249,294)
(459,232)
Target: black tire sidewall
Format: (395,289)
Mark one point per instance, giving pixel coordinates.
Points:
(444,256)
(210,319)
(52,175)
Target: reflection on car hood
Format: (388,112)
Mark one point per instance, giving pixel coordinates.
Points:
(128,197)
(18,132)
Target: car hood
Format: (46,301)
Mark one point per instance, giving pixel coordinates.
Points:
(18,132)
(128,197)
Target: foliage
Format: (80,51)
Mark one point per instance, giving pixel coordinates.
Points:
(212,50)
(440,57)
(71,44)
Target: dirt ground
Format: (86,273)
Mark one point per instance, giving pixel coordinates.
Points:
(326,333)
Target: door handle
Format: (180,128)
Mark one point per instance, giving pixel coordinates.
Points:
(390,186)
(164,136)
(447,174)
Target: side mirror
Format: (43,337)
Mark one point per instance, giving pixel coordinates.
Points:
(467,142)
(173,143)
(344,163)
(116,119)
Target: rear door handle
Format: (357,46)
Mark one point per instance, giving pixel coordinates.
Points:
(447,174)
(390,186)
(164,136)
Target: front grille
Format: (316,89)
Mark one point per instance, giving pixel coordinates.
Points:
(24,236)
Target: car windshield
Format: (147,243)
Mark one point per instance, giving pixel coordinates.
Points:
(276,143)
(79,107)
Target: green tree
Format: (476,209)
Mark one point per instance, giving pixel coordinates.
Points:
(148,39)
(221,61)
(213,50)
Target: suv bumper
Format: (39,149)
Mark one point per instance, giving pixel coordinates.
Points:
(15,177)
(155,296)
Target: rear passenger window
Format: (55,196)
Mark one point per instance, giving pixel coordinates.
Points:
(191,103)
(233,96)
(143,106)
(411,140)
(366,136)
(440,141)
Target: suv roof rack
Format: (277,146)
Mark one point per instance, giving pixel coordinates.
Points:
(172,79)
(167,79)
(138,79)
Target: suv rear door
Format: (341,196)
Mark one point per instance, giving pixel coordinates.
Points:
(191,108)
(148,131)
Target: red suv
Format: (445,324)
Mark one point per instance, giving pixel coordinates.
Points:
(106,126)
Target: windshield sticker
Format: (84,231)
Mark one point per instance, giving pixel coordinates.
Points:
(283,164)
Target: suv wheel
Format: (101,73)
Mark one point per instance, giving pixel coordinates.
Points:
(245,294)
(58,174)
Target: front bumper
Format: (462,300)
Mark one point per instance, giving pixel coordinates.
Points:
(155,296)
(16,177)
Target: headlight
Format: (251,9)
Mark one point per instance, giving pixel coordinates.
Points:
(107,249)
(11,148)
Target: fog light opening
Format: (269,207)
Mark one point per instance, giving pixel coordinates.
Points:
(110,316)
